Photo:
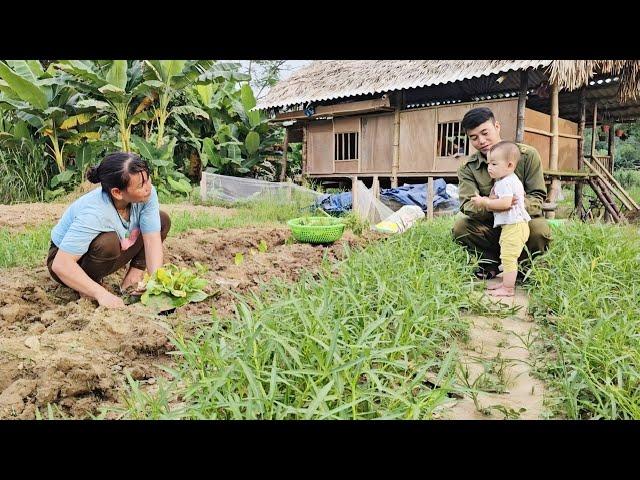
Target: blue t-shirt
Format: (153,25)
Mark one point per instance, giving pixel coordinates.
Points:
(94,213)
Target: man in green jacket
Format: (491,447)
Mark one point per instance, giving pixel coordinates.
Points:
(475,229)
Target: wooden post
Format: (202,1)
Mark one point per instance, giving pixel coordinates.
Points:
(354,194)
(611,150)
(522,102)
(594,125)
(582,108)
(304,150)
(203,187)
(553,158)
(396,147)
(283,171)
(375,187)
(430,198)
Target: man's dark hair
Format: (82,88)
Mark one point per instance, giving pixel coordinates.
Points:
(116,170)
(477,116)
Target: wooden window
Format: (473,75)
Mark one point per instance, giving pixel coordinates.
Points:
(346,146)
(452,140)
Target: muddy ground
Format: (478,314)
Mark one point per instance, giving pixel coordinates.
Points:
(59,349)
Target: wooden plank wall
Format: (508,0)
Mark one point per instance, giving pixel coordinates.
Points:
(320,147)
(376,141)
(567,147)
(417,140)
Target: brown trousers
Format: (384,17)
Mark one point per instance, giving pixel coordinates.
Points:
(105,256)
(480,237)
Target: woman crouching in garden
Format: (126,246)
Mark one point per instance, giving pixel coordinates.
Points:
(109,227)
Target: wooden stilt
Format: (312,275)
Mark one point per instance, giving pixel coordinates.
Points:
(354,194)
(375,187)
(396,147)
(554,190)
(581,123)
(283,170)
(430,198)
(522,102)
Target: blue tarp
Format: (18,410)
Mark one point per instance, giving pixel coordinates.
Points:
(408,194)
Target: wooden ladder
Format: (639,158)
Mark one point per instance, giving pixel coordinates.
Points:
(606,187)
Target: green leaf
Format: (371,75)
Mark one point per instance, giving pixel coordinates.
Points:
(254,118)
(146,149)
(62,178)
(171,68)
(147,87)
(76,120)
(145,116)
(180,186)
(117,74)
(262,246)
(196,296)
(246,97)
(81,70)
(238,259)
(158,303)
(91,103)
(190,110)
(252,142)
(205,92)
(25,89)
(26,69)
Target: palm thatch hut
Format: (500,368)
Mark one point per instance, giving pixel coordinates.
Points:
(400,119)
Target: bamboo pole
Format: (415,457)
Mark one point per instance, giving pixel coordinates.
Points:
(396,147)
(375,187)
(581,123)
(354,194)
(522,103)
(611,148)
(594,124)
(283,171)
(606,184)
(430,198)
(304,150)
(596,188)
(615,182)
(553,158)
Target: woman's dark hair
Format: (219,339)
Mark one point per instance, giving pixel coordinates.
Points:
(116,169)
(475,117)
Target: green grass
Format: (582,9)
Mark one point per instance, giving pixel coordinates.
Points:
(585,295)
(24,249)
(352,342)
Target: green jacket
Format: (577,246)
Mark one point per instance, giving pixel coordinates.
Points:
(473,178)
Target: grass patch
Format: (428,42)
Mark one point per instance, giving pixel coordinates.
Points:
(353,341)
(584,293)
(24,249)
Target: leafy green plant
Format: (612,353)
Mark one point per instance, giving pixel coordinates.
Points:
(171,287)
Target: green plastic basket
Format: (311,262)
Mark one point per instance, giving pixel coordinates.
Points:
(316,229)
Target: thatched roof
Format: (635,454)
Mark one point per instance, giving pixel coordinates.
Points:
(333,79)
(573,74)
(329,79)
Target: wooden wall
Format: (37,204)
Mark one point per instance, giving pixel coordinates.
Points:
(418,129)
(567,147)
(376,143)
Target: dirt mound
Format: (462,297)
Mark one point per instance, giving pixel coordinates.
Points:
(56,348)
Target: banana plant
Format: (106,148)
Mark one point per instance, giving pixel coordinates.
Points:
(167,78)
(47,102)
(113,86)
(240,133)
